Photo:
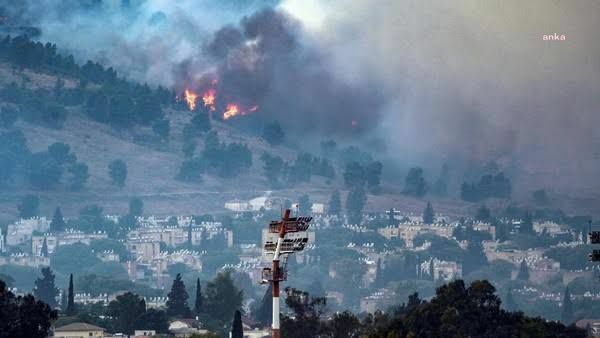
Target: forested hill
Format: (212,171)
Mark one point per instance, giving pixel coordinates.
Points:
(75,135)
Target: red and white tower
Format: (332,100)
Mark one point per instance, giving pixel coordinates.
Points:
(286,237)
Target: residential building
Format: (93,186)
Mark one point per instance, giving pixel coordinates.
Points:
(79,330)
(37,241)
(22,230)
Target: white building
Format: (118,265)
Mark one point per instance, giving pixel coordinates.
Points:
(22,230)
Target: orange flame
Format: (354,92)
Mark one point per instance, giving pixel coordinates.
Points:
(231,111)
(190,99)
(209,99)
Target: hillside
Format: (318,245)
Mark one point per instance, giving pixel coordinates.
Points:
(152,166)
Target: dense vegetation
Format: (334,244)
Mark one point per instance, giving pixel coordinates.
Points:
(455,311)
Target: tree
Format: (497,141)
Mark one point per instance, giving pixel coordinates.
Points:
(136,207)
(126,309)
(117,170)
(373,176)
(523,271)
(414,183)
(307,312)
(272,168)
(198,301)
(153,319)
(335,203)
(79,176)
(343,324)
(264,313)
(526,226)
(273,133)
(29,206)
(58,223)
(440,187)
(355,202)
(177,305)
(201,123)
(354,175)
(70,309)
(45,289)
(222,298)
(61,153)
(378,281)
(567,308)
(43,171)
(237,330)
(304,205)
(24,317)
(483,214)
(76,257)
(428,214)
(44,250)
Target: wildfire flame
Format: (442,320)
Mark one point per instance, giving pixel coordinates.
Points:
(190,99)
(231,111)
(209,99)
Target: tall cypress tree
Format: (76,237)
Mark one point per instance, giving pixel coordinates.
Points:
(237,330)
(335,203)
(58,222)
(45,289)
(71,310)
(428,214)
(198,302)
(44,250)
(523,271)
(567,308)
(177,304)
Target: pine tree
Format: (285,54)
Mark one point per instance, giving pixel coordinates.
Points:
(335,203)
(431,270)
(509,303)
(523,271)
(189,235)
(44,250)
(45,289)
(70,310)
(567,308)
(237,331)
(58,222)
(177,304)
(428,214)
(198,302)
(527,224)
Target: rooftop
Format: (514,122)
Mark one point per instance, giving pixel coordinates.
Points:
(78,327)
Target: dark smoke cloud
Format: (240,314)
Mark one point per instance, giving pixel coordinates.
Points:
(264,62)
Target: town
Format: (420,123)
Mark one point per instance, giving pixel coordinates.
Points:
(365,267)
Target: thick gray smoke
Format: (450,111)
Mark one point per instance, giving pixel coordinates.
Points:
(464,81)
(475,80)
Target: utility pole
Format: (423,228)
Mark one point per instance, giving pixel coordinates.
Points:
(281,247)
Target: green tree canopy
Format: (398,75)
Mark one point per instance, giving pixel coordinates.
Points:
(177,305)
(45,290)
